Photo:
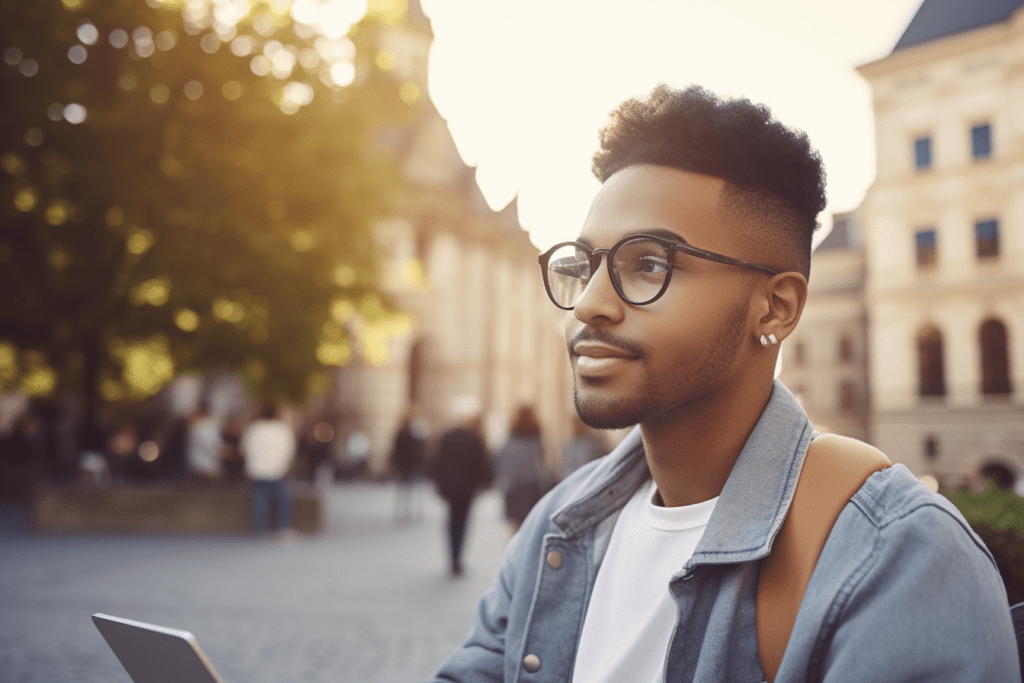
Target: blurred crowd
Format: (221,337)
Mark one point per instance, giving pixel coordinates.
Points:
(45,442)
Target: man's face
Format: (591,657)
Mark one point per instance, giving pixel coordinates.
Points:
(632,364)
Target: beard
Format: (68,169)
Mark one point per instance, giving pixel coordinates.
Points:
(689,378)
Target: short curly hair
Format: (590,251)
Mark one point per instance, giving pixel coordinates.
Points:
(775,180)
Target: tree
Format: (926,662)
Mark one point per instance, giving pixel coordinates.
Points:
(184,186)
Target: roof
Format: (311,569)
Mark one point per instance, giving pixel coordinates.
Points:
(417,17)
(940,18)
(845,234)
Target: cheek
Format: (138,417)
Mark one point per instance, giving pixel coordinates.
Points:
(691,318)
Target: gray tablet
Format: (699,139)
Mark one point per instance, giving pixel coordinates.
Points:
(155,654)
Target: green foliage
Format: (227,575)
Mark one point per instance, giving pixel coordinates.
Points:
(187,211)
(997,515)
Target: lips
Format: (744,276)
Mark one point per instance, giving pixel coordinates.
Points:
(596,359)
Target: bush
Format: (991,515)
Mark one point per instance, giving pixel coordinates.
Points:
(997,515)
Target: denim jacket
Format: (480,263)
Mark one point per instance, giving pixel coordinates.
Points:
(903,590)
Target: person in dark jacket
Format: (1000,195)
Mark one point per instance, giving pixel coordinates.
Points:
(408,455)
(522,472)
(461,467)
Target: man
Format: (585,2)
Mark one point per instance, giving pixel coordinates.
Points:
(268,445)
(691,267)
(203,445)
(461,467)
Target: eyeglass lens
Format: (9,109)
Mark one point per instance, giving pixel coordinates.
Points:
(639,269)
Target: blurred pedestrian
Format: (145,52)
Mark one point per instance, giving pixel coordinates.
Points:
(522,472)
(408,455)
(268,445)
(231,460)
(91,457)
(203,446)
(583,448)
(123,450)
(460,468)
(18,458)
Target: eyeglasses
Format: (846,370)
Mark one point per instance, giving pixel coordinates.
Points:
(640,267)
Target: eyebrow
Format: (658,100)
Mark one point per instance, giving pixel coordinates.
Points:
(656,232)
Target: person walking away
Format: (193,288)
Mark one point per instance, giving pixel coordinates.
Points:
(583,448)
(522,472)
(231,460)
(203,446)
(268,445)
(408,455)
(461,467)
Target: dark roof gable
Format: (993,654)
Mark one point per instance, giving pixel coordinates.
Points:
(939,18)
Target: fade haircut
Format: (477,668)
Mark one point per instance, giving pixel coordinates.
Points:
(775,181)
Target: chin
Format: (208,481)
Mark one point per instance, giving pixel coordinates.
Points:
(604,413)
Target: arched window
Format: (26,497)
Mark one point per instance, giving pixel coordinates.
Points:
(930,362)
(798,353)
(995,360)
(845,349)
(416,372)
(999,474)
(848,397)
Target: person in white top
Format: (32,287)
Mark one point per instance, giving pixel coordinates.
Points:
(204,444)
(268,445)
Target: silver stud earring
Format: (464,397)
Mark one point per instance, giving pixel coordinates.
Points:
(772,339)
(764,341)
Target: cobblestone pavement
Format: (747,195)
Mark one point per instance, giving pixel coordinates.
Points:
(366,600)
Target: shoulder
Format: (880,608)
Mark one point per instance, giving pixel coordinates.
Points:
(894,523)
(894,499)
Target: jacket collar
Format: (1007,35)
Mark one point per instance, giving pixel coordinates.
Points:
(753,502)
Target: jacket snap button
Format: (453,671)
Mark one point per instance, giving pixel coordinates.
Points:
(531,663)
(555,559)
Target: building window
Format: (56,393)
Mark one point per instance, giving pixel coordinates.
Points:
(845,349)
(848,397)
(999,474)
(923,153)
(798,354)
(931,449)
(926,250)
(981,141)
(930,362)
(986,238)
(995,358)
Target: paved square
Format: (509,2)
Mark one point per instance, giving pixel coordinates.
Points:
(366,600)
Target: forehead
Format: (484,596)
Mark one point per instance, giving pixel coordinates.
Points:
(642,197)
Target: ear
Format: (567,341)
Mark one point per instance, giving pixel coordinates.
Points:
(780,305)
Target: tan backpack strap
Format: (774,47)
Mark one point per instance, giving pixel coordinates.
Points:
(835,468)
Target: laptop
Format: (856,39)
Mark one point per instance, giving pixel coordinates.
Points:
(156,654)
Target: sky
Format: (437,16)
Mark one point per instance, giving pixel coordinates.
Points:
(526,84)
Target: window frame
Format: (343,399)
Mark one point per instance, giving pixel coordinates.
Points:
(920,251)
(923,143)
(986,154)
(986,248)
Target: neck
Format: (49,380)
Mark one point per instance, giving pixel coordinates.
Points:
(691,449)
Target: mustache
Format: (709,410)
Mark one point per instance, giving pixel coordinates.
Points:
(595,334)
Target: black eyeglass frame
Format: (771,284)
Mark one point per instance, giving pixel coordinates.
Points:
(671,248)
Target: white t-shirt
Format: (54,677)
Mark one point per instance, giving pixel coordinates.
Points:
(631,613)
(269,447)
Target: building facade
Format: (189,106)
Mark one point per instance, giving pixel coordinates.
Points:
(478,328)
(824,362)
(944,241)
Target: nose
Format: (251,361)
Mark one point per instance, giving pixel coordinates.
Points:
(599,301)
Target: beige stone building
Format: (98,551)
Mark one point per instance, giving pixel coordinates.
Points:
(479,326)
(824,362)
(944,240)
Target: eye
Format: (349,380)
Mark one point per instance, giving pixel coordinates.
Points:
(651,265)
